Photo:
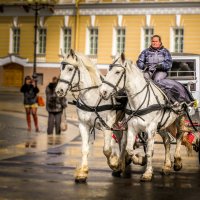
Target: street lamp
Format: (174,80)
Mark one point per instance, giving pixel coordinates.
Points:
(37,5)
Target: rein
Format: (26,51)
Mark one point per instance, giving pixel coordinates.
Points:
(82,105)
(77,84)
(139,112)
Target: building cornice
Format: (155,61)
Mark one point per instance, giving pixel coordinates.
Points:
(111,9)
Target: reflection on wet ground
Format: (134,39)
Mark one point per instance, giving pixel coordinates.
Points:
(49,174)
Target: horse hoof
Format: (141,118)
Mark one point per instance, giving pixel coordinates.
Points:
(166,171)
(178,167)
(116,173)
(146,178)
(128,162)
(80,180)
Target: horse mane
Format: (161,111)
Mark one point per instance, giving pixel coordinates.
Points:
(89,66)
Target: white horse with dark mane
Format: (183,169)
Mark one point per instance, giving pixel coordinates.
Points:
(78,74)
(147,112)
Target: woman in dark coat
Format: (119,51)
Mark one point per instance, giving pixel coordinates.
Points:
(30,90)
(156,61)
(55,106)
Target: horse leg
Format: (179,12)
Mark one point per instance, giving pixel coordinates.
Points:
(167,163)
(125,160)
(147,176)
(81,173)
(177,155)
(136,159)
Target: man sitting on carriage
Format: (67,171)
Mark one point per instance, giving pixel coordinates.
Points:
(156,61)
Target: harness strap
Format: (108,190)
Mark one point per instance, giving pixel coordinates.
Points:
(102,108)
(143,111)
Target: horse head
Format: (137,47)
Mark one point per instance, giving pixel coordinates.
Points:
(69,74)
(115,78)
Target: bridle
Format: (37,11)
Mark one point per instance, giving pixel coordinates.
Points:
(123,74)
(70,88)
(139,111)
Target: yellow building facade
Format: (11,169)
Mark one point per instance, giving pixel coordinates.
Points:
(111,21)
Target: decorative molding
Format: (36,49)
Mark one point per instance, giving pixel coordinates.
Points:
(92,20)
(41,22)
(66,20)
(119,20)
(178,20)
(13,59)
(139,11)
(148,20)
(15,21)
(112,9)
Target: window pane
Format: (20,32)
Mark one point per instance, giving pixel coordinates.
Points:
(67,39)
(178,40)
(120,39)
(148,33)
(16,40)
(42,40)
(93,41)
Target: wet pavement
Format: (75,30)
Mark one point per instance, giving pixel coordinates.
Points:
(37,166)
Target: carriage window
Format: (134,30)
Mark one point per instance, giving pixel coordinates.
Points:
(120,37)
(67,35)
(16,40)
(42,40)
(93,41)
(148,33)
(185,72)
(183,69)
(178,39)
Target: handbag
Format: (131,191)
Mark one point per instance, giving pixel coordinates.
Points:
(40,101)
(63,124)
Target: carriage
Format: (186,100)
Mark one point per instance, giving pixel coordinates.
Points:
(79,74)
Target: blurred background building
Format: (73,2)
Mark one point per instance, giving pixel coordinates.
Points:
(35,34)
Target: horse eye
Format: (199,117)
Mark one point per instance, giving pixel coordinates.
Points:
(63,66)
(70,69)
(117,72)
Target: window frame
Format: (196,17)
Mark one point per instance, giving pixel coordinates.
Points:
(92,46)
(120,40)
(146,38)
(67,39)
(15,40)
(41,44)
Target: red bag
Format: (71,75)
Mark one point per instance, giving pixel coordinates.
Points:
(40,101)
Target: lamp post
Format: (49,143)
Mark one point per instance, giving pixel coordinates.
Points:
(37,5)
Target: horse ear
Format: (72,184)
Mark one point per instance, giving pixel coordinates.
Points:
(62,53)
(72,53)
(123,57)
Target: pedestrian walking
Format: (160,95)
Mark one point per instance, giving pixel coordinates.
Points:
(55,106)
(30,91)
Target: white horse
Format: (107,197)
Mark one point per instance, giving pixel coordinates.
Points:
(147,112)
(79,74)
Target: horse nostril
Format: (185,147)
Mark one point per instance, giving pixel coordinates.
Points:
(104,93)
(61,90)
